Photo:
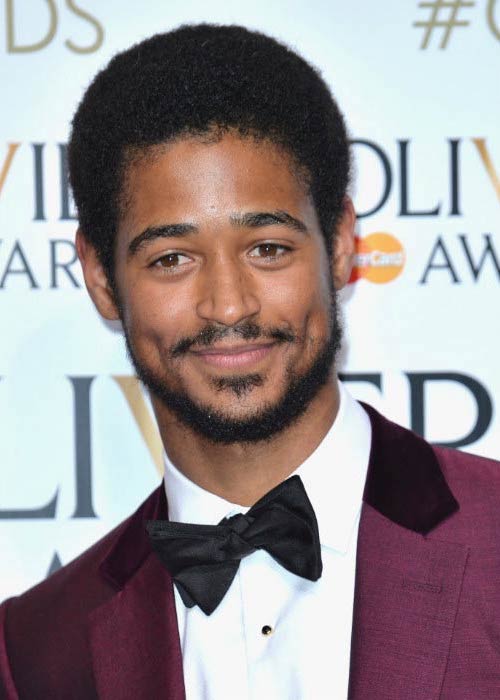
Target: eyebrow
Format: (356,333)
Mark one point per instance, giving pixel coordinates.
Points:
(256,219)
(154,232)
(272,218)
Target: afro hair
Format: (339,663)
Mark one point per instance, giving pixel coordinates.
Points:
(192,81)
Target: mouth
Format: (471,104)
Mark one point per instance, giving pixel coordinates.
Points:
(234,356)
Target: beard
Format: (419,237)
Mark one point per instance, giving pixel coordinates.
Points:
(269,419)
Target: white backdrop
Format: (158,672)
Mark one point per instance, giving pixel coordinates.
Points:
(78,451)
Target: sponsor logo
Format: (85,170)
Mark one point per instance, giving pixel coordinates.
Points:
(380,258)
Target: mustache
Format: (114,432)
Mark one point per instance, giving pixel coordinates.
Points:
(248,331)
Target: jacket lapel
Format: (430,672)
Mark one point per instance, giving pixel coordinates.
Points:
(134,636)
(406,594)
(407,583)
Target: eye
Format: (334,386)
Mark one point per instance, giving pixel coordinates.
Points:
(269,251)
(170,261)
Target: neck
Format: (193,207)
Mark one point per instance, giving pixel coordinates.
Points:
(243,472)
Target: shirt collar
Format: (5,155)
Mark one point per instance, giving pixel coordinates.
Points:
(333,476)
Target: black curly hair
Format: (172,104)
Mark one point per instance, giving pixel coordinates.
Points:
(195,80)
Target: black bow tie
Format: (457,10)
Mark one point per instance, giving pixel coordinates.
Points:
(203,559)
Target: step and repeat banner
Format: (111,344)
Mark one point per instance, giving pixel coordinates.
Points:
(418,83)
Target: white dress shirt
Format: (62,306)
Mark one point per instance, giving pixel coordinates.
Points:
(306,656)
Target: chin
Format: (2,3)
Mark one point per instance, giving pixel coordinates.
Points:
(244,408)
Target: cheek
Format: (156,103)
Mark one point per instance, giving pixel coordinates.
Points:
(303,300)
(154,314)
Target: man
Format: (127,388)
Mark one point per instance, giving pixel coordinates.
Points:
(210,167)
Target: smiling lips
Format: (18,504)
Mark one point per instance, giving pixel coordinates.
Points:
(235,355)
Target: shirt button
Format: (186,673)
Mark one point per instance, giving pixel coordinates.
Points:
(267,630)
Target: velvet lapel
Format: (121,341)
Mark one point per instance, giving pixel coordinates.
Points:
(407,583)
(134,636)
(406,596)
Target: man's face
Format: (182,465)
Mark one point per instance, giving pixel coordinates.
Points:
(225,287)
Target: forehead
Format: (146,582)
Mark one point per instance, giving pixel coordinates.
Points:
(195,177)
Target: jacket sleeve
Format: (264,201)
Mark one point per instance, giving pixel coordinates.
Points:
(7,688)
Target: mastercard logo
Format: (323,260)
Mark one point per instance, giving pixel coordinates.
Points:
(379,258)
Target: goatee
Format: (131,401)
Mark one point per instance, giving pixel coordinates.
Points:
(269,419)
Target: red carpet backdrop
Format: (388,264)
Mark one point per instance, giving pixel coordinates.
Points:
(418,84)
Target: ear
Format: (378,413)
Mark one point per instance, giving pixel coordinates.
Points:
(96,281)
(344,247)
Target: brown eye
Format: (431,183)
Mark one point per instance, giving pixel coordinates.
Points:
(269,250)
(171,260)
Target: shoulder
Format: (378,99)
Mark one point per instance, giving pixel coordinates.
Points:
(63,600)
(49,621)
(43,631)
(84,579)
(78,578)
(86,575)
(475,483)
(471,476)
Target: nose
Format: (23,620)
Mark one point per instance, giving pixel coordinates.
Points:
(227,294)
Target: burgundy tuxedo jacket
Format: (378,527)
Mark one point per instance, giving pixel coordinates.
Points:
(426,621)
